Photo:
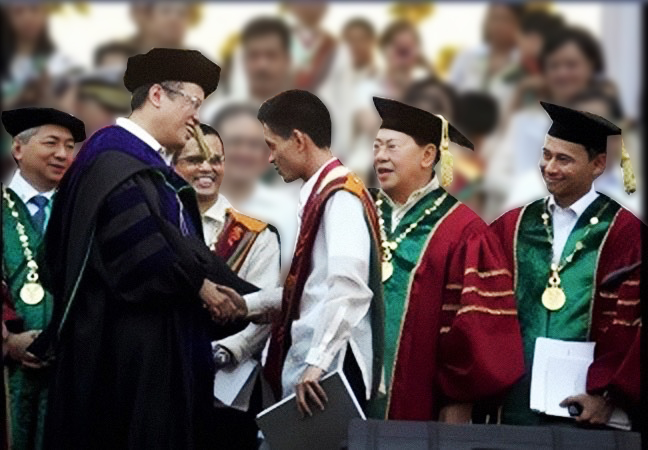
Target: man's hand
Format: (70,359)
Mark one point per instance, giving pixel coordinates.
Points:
(596,409)
(218,303)
(309,388)
(238,302)
(222,357)
(456,413)
(17,349)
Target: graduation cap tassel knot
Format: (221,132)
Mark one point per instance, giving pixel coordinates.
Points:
(629,181)
(446,156)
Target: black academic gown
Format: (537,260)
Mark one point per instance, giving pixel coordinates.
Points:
(129,336)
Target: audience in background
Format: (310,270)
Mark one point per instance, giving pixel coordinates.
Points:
(360,37)
(490,67)
(571,63)
(29,54)
(102,98)
(266,65)
(247,162)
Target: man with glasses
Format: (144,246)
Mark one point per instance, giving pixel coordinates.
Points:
(133,282)
(247,161)
(251,249)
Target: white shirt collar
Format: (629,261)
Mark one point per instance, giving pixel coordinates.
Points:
(417,194)
(24,190)
(308,186)
(218,210)
(141,133)
(579,206)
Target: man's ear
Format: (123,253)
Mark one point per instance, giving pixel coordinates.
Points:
(599,162)
(17,150)
(429,156)
(301,139)
(155,95)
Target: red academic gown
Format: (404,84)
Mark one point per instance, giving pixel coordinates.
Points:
(616,310)
(459,340)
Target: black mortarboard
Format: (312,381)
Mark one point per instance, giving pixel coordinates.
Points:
(167,64)
(16,121)
(591,131)
(580,127)
(421,125)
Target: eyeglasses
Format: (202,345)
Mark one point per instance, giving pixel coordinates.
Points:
(197,161)
(193,100)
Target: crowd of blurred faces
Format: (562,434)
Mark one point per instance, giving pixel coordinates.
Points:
(490,92)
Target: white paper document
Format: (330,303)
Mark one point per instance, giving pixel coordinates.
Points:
(233,386)
(560,371)
(285,429)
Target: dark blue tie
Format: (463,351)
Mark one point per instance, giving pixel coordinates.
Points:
(38,218)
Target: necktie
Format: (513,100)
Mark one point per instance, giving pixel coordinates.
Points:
(38,218)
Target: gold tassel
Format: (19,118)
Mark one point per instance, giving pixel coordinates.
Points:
(202,145)
(446,156)
(629,181)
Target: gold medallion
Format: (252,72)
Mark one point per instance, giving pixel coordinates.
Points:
(32,293)
(387,270)
(553,298)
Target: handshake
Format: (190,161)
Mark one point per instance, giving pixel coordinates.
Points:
(224,304)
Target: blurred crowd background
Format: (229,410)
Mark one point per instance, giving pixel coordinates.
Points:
(484,66)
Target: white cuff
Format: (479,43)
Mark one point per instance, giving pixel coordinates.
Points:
(319,358)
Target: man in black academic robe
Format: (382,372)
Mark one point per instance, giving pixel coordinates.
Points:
(131,328)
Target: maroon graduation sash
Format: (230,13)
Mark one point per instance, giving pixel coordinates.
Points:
(300,268)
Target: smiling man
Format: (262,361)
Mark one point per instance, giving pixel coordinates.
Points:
(251,249)
(43,147)
(132,280)
(451,334)
(565,251)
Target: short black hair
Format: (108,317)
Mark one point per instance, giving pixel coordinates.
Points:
(585,41)
(417,90)
(112,47)
(207,130)
(517,9)
(139,96)
(477,114)
(140,93)
(233,110)
(264,26)
(542,23)
(597,93)
(395,28)
(359,22)
(297,110)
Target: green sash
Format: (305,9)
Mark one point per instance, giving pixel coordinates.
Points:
(27,388)
(533,255)
(405,258)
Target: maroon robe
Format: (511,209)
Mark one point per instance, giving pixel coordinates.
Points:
(459,341)
(616,310)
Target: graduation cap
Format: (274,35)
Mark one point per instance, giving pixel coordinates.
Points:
(168,64)
(590,131)
(105,86)
(16,121)
(424,127)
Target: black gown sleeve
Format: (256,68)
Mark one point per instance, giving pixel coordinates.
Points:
(146,257)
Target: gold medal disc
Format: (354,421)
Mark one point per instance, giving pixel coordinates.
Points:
(387,270)
(32,293)
(553,298)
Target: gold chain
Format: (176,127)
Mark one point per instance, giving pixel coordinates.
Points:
(32,276)
(391,246)
(579,245)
